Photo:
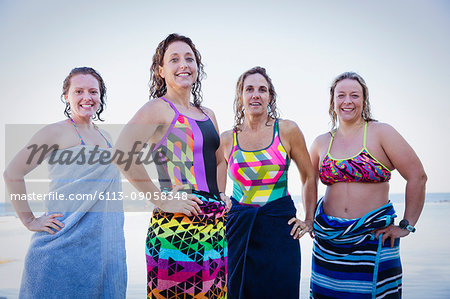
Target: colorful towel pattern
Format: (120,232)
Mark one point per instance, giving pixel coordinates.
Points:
(348,262)
(187,256)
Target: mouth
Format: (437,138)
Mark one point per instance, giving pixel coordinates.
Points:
(255,104)
(87,106)
(347,109)
(184,74)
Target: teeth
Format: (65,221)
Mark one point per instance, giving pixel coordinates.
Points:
(183,75)
(86,106)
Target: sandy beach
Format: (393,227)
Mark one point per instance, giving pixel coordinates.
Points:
(425,255)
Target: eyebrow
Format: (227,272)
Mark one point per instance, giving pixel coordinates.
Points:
(176,53)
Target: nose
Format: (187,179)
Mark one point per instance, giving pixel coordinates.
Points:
(255,95)
(347,99)
(86,95)
(184,64)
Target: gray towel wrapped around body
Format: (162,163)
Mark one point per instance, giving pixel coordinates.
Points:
(86,258)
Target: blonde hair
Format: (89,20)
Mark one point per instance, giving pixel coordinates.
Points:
(366,113)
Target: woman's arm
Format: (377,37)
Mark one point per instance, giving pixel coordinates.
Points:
(408,164)
(299,153)
(25,161)
(139,130)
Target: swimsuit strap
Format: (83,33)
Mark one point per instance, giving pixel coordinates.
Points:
(76,129)
(107,142)
(365,133)
(171,105)
(81,138)
(331,142)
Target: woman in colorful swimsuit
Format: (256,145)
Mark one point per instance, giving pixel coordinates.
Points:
(356,244)
(262,228)
(186,247)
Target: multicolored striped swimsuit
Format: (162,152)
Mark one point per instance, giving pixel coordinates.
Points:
(187,255)
(361,168)
(259,176)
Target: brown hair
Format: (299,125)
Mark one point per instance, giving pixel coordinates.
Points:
(238,105)
(85,71)
(157,84)
(366,113)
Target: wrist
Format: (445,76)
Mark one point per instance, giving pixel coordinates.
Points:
(404,224)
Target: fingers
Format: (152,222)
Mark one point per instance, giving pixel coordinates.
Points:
(291,220)
(56,222)
(177,188)
(194,208)
(196,199)
(299,228)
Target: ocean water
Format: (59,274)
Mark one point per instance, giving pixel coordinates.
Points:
(425,254)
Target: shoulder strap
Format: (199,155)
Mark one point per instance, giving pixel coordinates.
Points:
(171,105)
(234,138)
(76,129)
(365,133)
(331,142)
(107,142)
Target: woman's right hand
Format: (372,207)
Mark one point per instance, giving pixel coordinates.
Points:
(46,223)
(188,205)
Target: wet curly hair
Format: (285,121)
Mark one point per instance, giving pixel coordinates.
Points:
(157,84)
(238,104)
(85,71)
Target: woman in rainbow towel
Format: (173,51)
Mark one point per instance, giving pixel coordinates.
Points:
(262,228)
(78,248)
(186,245)
(356,244)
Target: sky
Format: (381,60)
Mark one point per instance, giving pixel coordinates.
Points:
(401,48)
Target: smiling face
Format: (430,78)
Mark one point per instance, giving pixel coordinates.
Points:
(83,96)
(179,68)
(255,94)
(348,100)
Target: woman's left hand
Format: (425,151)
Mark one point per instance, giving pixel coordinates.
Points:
(226,200)
(300,227)
(393,232)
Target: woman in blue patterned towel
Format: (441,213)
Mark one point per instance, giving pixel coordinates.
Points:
(356,244)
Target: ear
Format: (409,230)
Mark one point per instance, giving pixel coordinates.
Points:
(161,71)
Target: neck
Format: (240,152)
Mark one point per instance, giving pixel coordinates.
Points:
(351,127)
(255,122)
(180,97)
(83,122)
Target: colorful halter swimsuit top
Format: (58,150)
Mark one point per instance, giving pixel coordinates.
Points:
(259,176)
(186,155)
(361,168)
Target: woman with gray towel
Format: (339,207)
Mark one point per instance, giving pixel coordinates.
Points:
(78,248)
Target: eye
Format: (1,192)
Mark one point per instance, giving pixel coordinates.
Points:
(94,92)
(355,96)
(263,89)
(249,89)
(340,96)
(78,91)
(174,59)
(190,59)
